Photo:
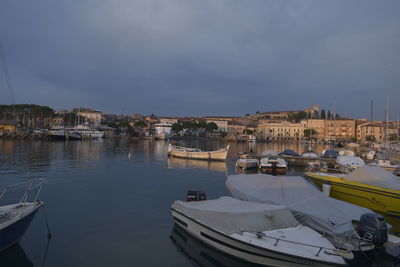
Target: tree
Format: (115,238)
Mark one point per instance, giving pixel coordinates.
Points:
(177,127)
(310,132)
(323,116)
(337,116)
(248,132)
(298,116)
(140,124)
(329,115)
(211,127)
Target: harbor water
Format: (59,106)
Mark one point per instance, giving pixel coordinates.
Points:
(107,202)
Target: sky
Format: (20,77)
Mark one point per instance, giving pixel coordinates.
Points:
(208,57)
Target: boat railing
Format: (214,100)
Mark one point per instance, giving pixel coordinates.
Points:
(336,251)
(353,241)
(32,185)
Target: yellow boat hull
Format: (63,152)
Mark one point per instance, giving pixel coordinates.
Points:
(381,200)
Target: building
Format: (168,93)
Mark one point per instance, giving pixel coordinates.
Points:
(57,121)
(314,110)
(318,125)
(168,120)
(340,130)
(92,117)
(220,118)
(235,128)
(280,130)
(371,132)
(7,126)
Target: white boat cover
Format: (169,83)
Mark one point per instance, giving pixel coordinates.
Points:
(230,215)
(376,176)
(269,153)
(346,153)
(309,205)
(349,161)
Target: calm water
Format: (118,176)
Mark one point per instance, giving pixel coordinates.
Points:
(107,202)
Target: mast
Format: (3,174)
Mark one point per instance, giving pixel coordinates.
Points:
(387,119)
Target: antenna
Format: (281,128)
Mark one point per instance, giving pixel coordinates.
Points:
(372,109)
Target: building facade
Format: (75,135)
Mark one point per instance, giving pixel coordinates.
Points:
(370,132)
(280,130)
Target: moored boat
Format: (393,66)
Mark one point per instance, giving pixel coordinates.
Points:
(194,153)
(255,232)
(369,186)
(247,161)
(273,165)
(15,218)
(328,216)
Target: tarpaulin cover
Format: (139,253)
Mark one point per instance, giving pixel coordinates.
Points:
(309,205)
(230,215)
(376,176)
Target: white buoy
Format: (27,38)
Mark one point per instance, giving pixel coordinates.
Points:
(326,189)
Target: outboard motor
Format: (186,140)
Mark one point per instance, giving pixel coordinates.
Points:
(373,226)
(195,195)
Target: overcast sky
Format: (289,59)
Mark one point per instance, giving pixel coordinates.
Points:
(203,57)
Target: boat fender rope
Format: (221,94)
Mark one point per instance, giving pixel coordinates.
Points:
(47,223)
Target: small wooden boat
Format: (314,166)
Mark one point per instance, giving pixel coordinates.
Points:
(194,153)
(247,161)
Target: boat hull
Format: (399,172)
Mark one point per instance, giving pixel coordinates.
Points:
(238,248)
(280,170)
(204,155)
(381,200)
(247,164)
(13,233)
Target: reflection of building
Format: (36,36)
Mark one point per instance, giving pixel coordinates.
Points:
(370,131)
(7,126)
(280,130)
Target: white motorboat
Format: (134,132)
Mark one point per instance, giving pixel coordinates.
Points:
(162,131)
(309,155)
(247,161)
(328,216)
(57,133)
(255,232)
(273,165)
(81,132)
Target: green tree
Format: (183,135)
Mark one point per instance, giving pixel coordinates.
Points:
(323,116)
(140,124)
(248,131)
(329,115)
(177,127)
(211,127)
(337,116)
(298,116)
(310,132)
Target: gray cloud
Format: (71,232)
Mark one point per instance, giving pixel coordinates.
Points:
(183,57)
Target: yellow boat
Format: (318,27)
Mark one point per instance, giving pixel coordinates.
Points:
(370,187)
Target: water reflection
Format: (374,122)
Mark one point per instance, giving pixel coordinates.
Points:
(15,256)
(200,254)
(201,164)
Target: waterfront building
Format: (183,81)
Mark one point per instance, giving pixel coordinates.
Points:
(235,128)
(168,120)
(318,125)
(7,126)
(92,117)
(371,132)
(340,130)
(57,121)
(280,130)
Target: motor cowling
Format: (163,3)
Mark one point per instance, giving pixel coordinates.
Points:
(373,226)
